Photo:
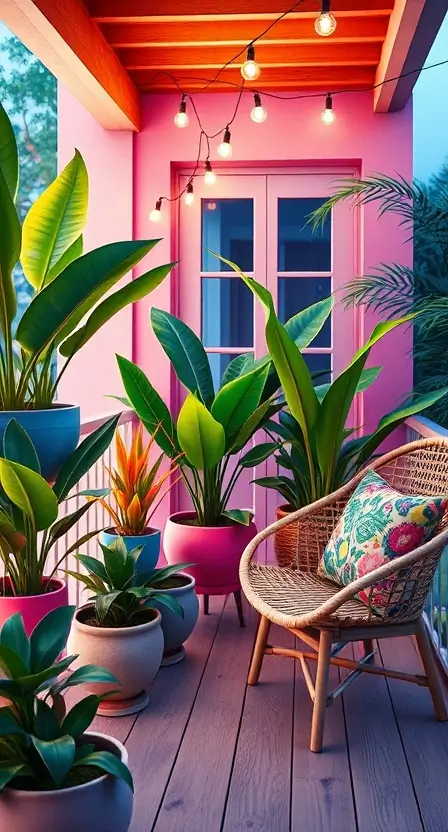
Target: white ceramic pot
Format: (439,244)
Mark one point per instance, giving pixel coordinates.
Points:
(176,629)
(132,654)
(101,805)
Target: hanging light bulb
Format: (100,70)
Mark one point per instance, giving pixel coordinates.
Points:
(250,70)
(325,24)
(209,175)
(258,112)
(156,214)
(181,118)
(328,115)
(189,195)
(225,148)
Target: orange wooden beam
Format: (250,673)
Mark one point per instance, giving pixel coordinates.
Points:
(412,29)
(70,44)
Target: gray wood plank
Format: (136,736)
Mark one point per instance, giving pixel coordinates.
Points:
(322,798)
(155,739)
(259,797)
(196,793)
(425,739)
(383,789)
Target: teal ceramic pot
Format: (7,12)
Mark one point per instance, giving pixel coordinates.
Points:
(176,629)
(150,542)
(54,433)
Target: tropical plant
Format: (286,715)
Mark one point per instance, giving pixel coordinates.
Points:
(29,506)
(135,487)
(40,746)
(394,289)
(67,284)
(322,451)
(122,594)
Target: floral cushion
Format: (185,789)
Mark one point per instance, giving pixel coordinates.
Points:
(377,525)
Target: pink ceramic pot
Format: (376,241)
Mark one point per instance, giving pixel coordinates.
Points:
(33,607)
(216,552)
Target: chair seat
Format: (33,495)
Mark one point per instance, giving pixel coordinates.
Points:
(286,595)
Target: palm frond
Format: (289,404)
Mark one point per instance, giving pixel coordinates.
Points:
(389,291)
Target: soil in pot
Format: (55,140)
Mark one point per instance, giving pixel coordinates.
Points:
(224,522)
(86,617)
(174,582)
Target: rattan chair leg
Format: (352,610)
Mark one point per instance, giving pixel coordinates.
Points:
(368,646)
(321,691)
(258,655)
(431,670)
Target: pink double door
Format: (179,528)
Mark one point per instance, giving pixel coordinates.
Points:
(259,221)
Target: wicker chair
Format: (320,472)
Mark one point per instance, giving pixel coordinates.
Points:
(326,617)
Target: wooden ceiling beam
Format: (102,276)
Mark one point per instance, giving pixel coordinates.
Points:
(239,32)
(62,35)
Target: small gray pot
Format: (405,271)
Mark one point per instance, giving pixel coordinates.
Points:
(102,805)
(176,630)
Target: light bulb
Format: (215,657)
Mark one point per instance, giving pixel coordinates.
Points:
(258,112)
(209,175)
(325,24)
(189,195)
(328,116)
(156,214)
(181,118)
(250,70)
(225,148)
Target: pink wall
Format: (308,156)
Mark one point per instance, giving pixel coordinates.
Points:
(293,133)
(109,158)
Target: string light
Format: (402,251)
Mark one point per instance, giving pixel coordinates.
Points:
(328,115)
(225,148)
(189,195)
(326,23)
(209,175)
(250,70)
(258,112)
(181,118)
(156,214)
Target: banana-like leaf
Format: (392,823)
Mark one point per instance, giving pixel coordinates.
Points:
(200,436)
(134,291)
(30,493)
(306,325)
(55,221)
(9,158)
(10,242)
(238,399)
(149,406)
(368,376)
(238,367)
(258,454)
(83,457)
(60,306)
(73,252)
(18,447)
(255,421)
(48,639)
(186,353)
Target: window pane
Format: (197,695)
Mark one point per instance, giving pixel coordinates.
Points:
(227,313)
(297,293)
(228,229)
(299,249)
(319,363)
(219,362)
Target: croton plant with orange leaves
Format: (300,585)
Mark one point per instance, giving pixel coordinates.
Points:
(136,488)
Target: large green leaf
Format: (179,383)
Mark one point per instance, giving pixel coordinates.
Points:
(238,367)
(148,405)
(60,306)
(13,635)
(58,756)
(55,221)
(73,252)
(82,459)
(11,663)
(200,436)
(108,763)
(8,771)
(259,453)
(81,716)
(18,447)
(134,291)
(9,159)
(238,399)
(368,376)
(30,493)
(186,353)
(86,675)
(49,638)
(306,325)
(10,242)
(256,420)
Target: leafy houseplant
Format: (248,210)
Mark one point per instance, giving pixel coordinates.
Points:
(120,624)
(54,774)
(136,493)
(29,527)
(67,286)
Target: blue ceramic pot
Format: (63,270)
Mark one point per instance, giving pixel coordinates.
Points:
(150,542)
(54,433)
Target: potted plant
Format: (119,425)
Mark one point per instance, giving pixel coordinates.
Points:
(176,628)
(136,493)
(29,524)
(54,773)
(67,286)
(121,625)
(318,451)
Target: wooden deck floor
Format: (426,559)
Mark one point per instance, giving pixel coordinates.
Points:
(210,754)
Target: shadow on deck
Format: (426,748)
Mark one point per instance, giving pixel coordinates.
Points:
(210,754)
